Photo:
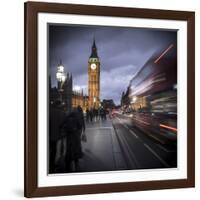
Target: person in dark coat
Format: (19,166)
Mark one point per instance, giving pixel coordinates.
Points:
(87,115)
(104,114)
(74,126)
(95,111)
(57,117)
(91,115)
(81,129)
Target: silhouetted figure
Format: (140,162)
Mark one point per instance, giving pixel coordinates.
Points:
(74,126)
(91,115)
(99,113)
(95,111)
(104,114)
(87,115)
(57,117)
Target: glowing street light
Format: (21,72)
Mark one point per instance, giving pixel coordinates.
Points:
(134,99)
(60,75)
(61,68)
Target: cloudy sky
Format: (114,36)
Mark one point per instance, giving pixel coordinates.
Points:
(122,52)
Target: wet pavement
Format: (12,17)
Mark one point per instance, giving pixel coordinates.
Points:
(102,151)
(115,144)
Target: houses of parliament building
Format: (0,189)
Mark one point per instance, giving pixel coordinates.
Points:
(71,98)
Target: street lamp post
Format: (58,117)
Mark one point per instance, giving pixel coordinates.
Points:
(61,77)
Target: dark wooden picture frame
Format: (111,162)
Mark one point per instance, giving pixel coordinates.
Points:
(32,9)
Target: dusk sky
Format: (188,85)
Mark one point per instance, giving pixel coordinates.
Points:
(122,52)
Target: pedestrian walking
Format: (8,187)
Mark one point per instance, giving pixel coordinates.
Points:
(56,143)
(91,115)
(104,114)
(87,115)
(74,127)
(95,114)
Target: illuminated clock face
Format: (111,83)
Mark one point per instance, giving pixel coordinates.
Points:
(93,66)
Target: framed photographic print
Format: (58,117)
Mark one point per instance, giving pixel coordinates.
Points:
(109,99)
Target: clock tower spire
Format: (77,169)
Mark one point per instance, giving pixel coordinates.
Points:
(94,50)
(94,78)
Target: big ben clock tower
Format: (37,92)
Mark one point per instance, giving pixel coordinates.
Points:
(94,78)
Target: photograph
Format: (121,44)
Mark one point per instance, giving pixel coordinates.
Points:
(109,99)
(112,98)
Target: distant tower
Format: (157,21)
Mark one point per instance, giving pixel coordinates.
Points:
(94,78)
